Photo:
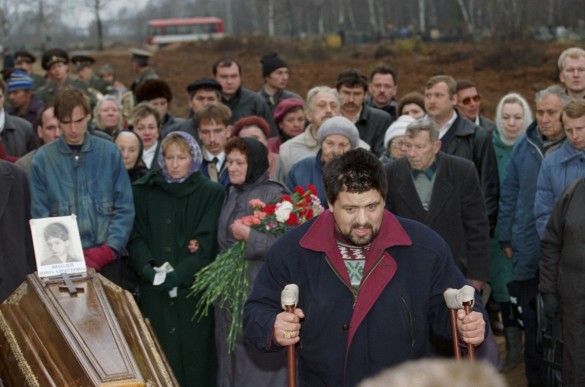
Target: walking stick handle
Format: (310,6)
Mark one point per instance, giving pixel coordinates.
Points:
(460,299)
(289,299)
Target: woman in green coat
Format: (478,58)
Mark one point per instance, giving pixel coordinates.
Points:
(513,115)
(175,236)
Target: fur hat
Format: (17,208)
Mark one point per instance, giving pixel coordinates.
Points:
(398,128)
(339,125)
(153,88)
(271,62)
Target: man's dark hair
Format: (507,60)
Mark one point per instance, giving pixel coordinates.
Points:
(352,78)
(56,230)
(41,119)
(385,69)
(355,171)
(67,99)
(463,84)
(225,62)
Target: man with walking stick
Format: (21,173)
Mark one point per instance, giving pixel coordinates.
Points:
(370,284)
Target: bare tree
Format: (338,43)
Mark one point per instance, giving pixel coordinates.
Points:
(466,16)
(422,17)
(270,18)
(97,6)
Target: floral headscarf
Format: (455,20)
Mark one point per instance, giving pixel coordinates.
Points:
(196,155)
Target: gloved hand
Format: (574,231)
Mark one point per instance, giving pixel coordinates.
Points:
(551,309)
(98,257)
(148,273)
(171,281)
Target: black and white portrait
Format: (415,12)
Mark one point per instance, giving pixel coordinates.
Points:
(57,246)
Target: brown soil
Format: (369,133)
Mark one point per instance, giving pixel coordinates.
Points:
(495,68)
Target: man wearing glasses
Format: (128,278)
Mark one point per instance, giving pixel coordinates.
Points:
(468,104)
(461,137)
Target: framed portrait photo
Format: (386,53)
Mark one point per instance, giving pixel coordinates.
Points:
(57,246)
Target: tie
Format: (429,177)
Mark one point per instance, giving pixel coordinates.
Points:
(211,168)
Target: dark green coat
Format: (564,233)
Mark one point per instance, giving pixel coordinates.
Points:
(48,91)
(168,215)
(500,266)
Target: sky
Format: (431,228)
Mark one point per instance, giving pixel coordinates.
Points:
(80,15)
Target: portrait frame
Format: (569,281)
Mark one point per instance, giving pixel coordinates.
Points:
(57,246)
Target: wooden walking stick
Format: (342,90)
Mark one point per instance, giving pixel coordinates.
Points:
(289,299)
(460,299)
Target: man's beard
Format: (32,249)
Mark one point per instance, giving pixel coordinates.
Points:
(361,241)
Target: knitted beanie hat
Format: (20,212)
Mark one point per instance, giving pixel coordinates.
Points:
(19,80)
(398,128)
(339,125)
(271,62)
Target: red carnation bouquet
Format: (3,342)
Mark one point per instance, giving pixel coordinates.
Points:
(224,282)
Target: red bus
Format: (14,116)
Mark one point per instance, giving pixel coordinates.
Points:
(163,31)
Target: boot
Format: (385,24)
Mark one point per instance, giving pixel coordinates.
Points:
(513,336)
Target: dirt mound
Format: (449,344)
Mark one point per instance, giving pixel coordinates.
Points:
(496,68)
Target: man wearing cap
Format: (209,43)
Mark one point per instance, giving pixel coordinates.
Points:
(141,67)
(275,74)
(106,73)
(335,137)
(56,63)
(352,86)
(24,60)
(159,94)
(241,101)
(201,92)
(16,134)
(24,103)
(84,69)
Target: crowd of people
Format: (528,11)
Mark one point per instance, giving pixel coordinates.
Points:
(422,193)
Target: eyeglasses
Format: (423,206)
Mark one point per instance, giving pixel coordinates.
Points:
(397,144)
(466,101)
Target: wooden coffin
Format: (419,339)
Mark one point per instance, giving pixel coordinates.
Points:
(98,337)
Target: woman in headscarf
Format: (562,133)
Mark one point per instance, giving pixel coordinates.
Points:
(247,165)
(131,147)
(513,116)
(176,206)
